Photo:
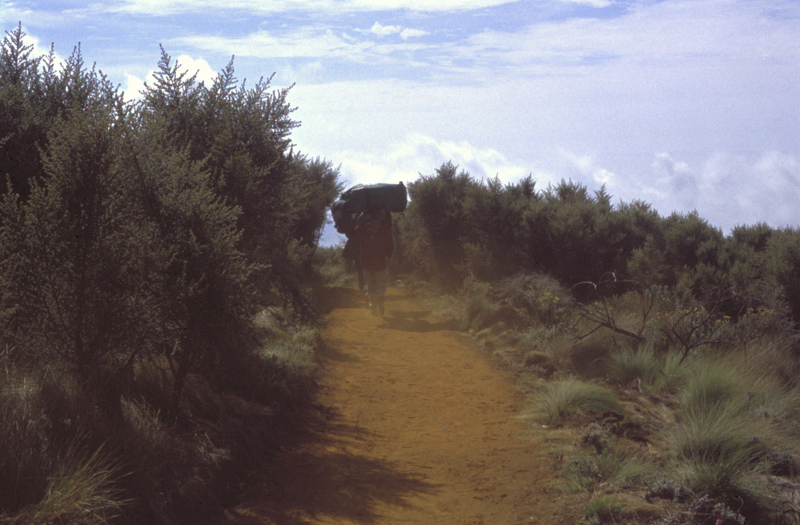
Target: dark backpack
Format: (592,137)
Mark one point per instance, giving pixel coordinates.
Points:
(358,199)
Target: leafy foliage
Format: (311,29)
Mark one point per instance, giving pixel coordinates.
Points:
(457,228)
(146,235)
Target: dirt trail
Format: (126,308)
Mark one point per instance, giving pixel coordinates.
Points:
(422,429)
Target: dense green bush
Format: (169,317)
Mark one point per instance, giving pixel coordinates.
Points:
(458,227)
(138,240)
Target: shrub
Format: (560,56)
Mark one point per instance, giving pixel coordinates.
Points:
(332,268)
(541,297)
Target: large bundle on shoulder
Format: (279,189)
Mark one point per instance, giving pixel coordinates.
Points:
(358,199)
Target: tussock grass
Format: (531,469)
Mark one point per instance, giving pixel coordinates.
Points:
(296,350)
(561,399)
(479,309)
(53,468)
(739,383)
(652,371)
(629,364)
(716,453)
(585,469)
(81,491)
(716,386)
(602,509)
(724,435)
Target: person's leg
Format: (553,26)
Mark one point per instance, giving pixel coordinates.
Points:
(372,288)
(380,290)
(362,283)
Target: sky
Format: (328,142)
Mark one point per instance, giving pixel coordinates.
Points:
(689,105)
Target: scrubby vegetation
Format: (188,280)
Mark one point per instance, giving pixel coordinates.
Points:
(660,355)
(156,332)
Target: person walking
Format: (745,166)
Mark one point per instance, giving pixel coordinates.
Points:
(374,235)
(352,252)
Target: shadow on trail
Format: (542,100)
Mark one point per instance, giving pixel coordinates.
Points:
(412,324)
(320,479)
(334,297)
(329,352)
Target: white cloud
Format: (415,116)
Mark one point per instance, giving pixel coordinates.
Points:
(704,35)
(727,189)
(198,66)
(584,169)
(592,3)
(134,85)
(405,34)
(382,30)
(308,42)
(168,7)
(420,154)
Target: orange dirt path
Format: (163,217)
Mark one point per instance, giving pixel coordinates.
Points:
(421,429)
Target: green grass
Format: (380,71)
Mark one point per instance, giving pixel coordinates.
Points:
(715,385)
(81,491)
(52,469)
(559,400)
(332,268)
(653,372)
(479,310)
(602,509)
(736,383)
(297,350)
(717,448)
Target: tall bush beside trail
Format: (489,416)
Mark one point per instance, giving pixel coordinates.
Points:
(21,122)
(314,186)
(34,94)
(197,282)
(73,287)
(576,236)
(435,225)
(494,247)
(689,241)
(783,249)
(242,137)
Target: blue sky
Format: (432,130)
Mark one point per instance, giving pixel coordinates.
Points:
(685,104)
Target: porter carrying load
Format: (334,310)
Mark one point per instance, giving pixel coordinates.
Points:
(358,199)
